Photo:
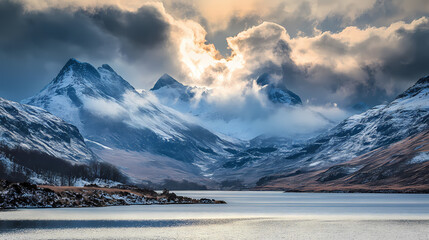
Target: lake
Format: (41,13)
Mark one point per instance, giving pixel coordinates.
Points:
(248,215)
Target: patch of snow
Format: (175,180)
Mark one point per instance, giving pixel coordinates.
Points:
(354,169)
(98,144)
(315,163)
(420,158)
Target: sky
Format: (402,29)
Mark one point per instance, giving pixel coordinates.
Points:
(330,53)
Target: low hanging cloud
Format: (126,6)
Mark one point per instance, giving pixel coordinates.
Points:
(293,122)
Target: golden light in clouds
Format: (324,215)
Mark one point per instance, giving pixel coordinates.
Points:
(345,52)
(219,12)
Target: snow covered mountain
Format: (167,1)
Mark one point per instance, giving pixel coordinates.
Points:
(193,99)
(41,148)
(380,126)
(399,167)
(130,129)
(33,128)
(183,98)
(150,136)
(237,121)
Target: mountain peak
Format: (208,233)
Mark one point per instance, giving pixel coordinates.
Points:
(276,93)
(72,61)
(83,69)
(264,79)
(423,80)
(422,85)
(78,80)
(166,80)
(70,64)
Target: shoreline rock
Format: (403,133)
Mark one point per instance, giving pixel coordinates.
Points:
(26,195)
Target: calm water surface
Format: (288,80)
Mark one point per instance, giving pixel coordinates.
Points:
(248,215)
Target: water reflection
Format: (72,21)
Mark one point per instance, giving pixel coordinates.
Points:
(11,225)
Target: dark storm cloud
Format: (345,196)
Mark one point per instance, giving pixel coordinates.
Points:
(384,12)
(35,44)
(397,64)
(185,10)
(368,92)
(330,45)
(373,69)
(46,31)
(333,23)
(399,67)
(411,59)
(30,42)
(326,85)
(299,21)
(235,25)
(139,30)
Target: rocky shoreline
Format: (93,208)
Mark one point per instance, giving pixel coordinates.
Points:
(26,195)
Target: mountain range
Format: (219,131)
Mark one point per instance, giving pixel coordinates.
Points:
(194,99)
(399,167)
(258,100)
(156,136)
(381,127)
(132,130)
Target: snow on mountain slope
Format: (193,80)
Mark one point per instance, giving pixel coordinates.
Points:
(100,92)
(400,167)
(40,148)
(380,126)
(33,128)
(109,111)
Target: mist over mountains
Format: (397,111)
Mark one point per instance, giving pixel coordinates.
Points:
(169,136)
